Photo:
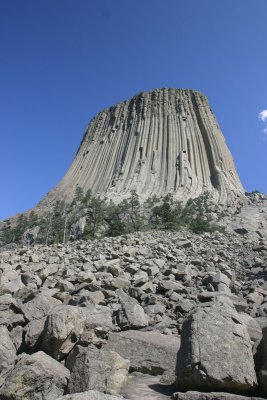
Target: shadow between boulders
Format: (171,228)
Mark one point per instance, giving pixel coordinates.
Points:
(167,390)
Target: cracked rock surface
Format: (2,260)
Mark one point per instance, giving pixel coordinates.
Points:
(215,351)
(158,142)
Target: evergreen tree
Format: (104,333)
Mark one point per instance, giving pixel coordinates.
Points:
(163,215)
(78,196)
(95,216)
(87,197)
(196,214)
(20,228)
(116,225)
(151,202)
(7,235)
(58,222)
(132,210)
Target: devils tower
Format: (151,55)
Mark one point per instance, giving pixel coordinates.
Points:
(159,142)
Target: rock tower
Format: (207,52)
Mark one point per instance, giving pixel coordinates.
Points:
(159,142)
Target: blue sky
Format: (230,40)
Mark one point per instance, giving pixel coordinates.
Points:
(62,61)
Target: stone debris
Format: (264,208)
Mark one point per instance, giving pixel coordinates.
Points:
(116,307)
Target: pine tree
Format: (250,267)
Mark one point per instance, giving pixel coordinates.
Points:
(58,222)
(116,225)
(162,215)
(132,211)
(95,216)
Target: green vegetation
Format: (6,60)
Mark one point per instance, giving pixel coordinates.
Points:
(89,217)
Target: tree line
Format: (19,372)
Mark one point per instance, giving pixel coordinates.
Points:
(89,217)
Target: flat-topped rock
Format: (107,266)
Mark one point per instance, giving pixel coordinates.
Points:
(149,352)
(158,142)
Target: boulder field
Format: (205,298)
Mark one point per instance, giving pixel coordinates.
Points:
(154,315)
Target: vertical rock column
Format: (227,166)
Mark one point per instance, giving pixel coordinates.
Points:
(164,141)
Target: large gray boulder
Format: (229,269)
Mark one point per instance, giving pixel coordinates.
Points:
(10,280)
(253,327)
(40,306)
(89,395)
(7,353)
(62,330)
(149,352)
(36,311)
(131,315)
(262,374)
(215,352)
(35,377)
(10,311)
(97,316)
(66,323)
(33,332)
(105,371)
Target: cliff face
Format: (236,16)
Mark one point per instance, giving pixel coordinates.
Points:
(164,141)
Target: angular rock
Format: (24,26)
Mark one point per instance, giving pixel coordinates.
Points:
(7,352)
(64,326)
(131,315)
(61,330)
(86,300)
(11,319)
(35,377)
(185,305)
(220,278)
(182,271)
(120,283)
(263,370)
(105,371)
(10,281)
(171,285)
(97,316)
(50,269)
(34,258)
(33,331)
(253,328)
(149,352)
(16,336)
(153,270)
(40,306)
(215,352)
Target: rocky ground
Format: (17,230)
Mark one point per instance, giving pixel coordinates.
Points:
(148,315)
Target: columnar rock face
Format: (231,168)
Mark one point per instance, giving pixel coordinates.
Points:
(164,141)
